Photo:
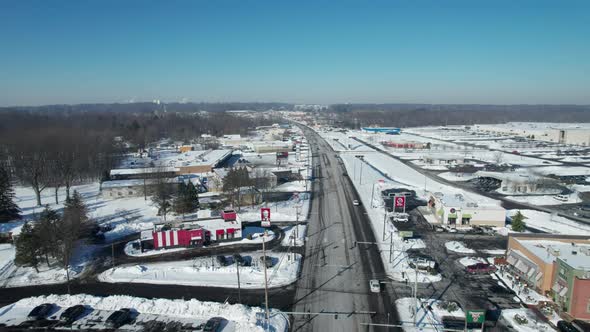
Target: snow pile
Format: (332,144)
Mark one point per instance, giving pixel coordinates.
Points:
(426,319)
(294,186)
(468,261)
(296,233)
(551,223)
(458,247)
(206,271)
(524,320)
(246,318)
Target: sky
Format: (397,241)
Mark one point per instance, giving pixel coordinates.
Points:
(489,52)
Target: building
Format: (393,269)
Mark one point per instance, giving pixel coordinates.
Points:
(196,233)
(461,211)
(131,188)
(382,130)
(272,147)
(559,133)
(406,145)
(443,160)
(143,173)
(555,265)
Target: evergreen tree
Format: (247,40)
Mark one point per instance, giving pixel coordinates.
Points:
(187,200)
(27,248)
(162,198)
(73,224)
(46,230)
(8,209)
(518,224)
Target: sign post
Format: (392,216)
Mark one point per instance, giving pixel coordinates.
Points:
(265,217)
(400,201)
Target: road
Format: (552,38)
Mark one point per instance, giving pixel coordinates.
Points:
(336,272)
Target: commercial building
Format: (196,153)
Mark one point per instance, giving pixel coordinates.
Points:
(443,160)
(555,265)
(459,210)
(560,133)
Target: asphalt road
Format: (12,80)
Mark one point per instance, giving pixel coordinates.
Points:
(336,272)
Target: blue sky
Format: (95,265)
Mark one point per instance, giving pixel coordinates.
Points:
(498,52)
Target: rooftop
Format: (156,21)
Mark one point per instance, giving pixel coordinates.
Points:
(576,255)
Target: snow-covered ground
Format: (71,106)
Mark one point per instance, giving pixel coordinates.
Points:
(239,317)
(531,297)
(296,233)
(573,198)
(551,223)
(294,186)
(454,176)
(206,271)
(280,211)
(399,267)
(426,320)
(458,247)
(532,324)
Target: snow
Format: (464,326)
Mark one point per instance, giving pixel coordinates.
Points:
(242,318)
(532,297)
(458,247)
(455,176)
(425,319)
(551,223)
(130,251)
(294,186)
(564,170)
(545,199)
(494,251)
(290,234)
(280,211)
(533,324)
(468,261)
(7,252)
(206,271)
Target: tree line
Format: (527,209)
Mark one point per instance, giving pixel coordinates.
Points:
(57,149)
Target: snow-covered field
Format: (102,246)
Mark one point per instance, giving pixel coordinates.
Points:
(205,271)
(551,223)
(280,211)
(239,317)
(458,247)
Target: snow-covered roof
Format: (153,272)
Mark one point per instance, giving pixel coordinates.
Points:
(145,170)
(550,250)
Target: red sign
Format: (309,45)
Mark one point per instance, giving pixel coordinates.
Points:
(400,201)
(265,217)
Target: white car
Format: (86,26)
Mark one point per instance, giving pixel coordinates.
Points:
(375,286)
(355,202)
(401,217)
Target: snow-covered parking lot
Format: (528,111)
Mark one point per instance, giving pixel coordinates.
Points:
(190,313)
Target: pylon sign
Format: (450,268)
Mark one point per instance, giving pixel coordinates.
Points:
(265,217)
(399,201)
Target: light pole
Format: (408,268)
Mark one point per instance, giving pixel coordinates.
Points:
(267,316)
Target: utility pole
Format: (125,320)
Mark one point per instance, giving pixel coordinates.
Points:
(267,316)
(415,292)
(361,174)
(239,289)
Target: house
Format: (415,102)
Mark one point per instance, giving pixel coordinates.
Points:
(458,210)
(555,265)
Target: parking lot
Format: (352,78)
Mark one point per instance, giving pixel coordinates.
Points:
(471,291)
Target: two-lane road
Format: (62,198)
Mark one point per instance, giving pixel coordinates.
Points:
(335,274)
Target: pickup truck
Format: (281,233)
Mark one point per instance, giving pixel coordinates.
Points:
(480,268)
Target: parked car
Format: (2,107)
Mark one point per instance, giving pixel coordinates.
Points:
(565,326)
(222,260)
(422,262)
(267,261)
(118,318)
(561,198)
(480,268)
(375,286)
(356,202)
(242,261)
(40,312)
(401,217)
(72,313)
(212,324)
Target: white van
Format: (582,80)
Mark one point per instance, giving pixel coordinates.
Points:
(561,198)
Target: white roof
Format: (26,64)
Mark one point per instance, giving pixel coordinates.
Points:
(544,248)
(146,170)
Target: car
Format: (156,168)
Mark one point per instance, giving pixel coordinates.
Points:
(422,262)
(242,261)
(40,312)
(72,313)
(565,326)
(480,268)
(222,260)
(401,217)
(118,318)
(212,324)
(356,202)
(375,286)
(561,198)
(267,260)
(452,230)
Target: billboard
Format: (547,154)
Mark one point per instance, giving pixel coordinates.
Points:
(475,316)
(400,201)
(265,217)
